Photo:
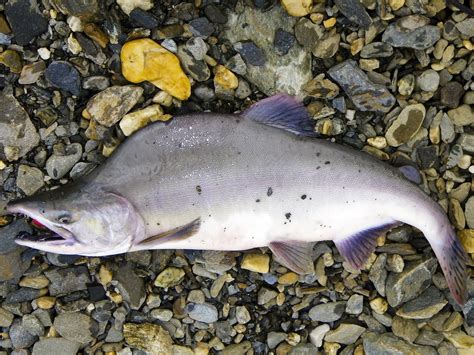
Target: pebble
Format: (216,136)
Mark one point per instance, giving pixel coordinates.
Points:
(317,335)
(55,346)
(355,304)
(32,325)
(266,295)
(132,122)
(390,344)
(406,125)
(63,75)
(256,262)
(224,78)
(275,338)
(355,12)
(12,60)
(29,179)
(405,286)
(376,50)
(110,105)
(130,286)
(202,312)
(287,279)
(242,315)
(201,27)
(144,59)
(327,46)
(365,95)
(37,282)
(46,302)
(169,277)
(20,336)
(16,129)
(321,88)
(148,337)
(462,115)
(428,80)
(60,163)
(379,305)
(345,334)
(466,27)
(297,7)
(251,53)
(163,315)
(142,18)
(6,318)
(67,280)
(25,19)
(127,6)
(197,69)
(283,41)
(410,32)
(327,312)
(215,14)
(76,326)
(197,47)
(378,273)
(30,73)
(451,94)
(429,303)
(406,329)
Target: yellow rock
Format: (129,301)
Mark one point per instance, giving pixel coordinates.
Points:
(396,4)
(145,60)
(37,282)
(46,302)
(297,7)
(132,122)
(169,277)
(377,142)
(256,262)
(467,239)
(105,275)
(357,45)
(379,305)
(330,22)
(12,60)
(460,340)
(288,279)
(224,78)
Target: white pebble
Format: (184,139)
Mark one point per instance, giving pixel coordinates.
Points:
(317,335)
(44,53)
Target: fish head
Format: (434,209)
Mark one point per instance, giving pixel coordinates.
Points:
(80,223)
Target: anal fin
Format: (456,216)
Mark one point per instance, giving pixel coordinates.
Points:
(357,248)
(294,255)
(181,232)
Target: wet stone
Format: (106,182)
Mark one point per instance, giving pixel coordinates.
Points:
(76,326)
(151,338)
(205,312)
(252,54)
(23,294)
(327,312)
(64,281)
(406,329)
(141,18)
(20,336)
(275,338)
(265,295)
(376,50)
(58,165)
(283,41)
(32,325)
(354,11)
(365,95)
(355,304)
(405,286)
(64,76)
(406,125)
(429,303)
(201,27)
(131,287)
(378,273)
(399,34)
(451,94)
(25,19)
(197,69)
(55,346)
(215,14)
(427,156)
(6,318)
(29,179)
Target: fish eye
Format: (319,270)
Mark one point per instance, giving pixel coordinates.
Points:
(64,218)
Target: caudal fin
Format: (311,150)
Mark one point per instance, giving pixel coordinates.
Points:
(452,258)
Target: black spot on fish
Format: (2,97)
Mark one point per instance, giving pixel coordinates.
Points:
(288,215)
(359,170)
(198,189)
(257,200)
(303,197)
(55,172)
(327,162)
(269,191)
(318,167)
(318,154)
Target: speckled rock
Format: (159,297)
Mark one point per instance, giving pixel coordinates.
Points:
(354,11)
(376,344)
(60,163)
(63,75)
(26,20)
(169,277)
(55,346)
(429,303)
(151,338)
(365,95)
(67,280)
(345,334)
(411,32)
(76,326)
(406,125)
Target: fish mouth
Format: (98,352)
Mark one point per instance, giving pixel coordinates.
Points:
(44,237)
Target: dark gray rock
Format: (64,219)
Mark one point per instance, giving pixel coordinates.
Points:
(365,95)
(251,53)
(131,287)
(56,346)
(32,325)
(201,27)
(327,312)
(64,76)
(451,94)
(376,50)
(354,11)
(25,19)
(142,18)
(198,69)
(23,294)
(426,305)
(20,336)
(378,273)
(86,10)
(427,157)
(68,280)
(215,14)
(9,233)
(204,312)
(411,32)
(283,41)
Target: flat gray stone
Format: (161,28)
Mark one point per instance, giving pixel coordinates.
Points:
(56,346)
(404,34)
(389,344)
(327,312)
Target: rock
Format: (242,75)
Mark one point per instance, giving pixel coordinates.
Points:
(6,318)
(428,80)
(406,329)
(280,73)
(30,73)
(20,336)
(86,10)
(429,303)
(345,334)
(151,338)
(321,88)
(12,60)
(466,140)
(215,14)
(469,212)
(130,286)
(354,11)
(37,282)
(289,278)
(109,106)
(303,349)
(265,295)
(327,46)
(462,115)
(297,7)
(197,69)
(63,75)
(32,325)
(275,338)
(163,315)
(376,50)
(201,27)
(169,277)
(56,346)
(25,19)
(256,262)
(46,302)
(379,305)
(378,273)
(466,27)
(317,335)
(411,32)
(427,156)
(75,326)
(327,312)
(144,59)
(29,179)
(283,41)
(141,18)
(375,344)
(395,263)
(251,53)
(59,164)
(406,85)
(237,349)
(128,5)
(355,304)
(132,122)
(406,125)
(16,129)
(197,47)
(308,33)
(64,281)
(224,78)
(365,95)
(405,286)
(451,93)
(242,315)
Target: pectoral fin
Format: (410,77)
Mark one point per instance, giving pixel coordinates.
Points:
(177,233)
(357,248)
(294,255)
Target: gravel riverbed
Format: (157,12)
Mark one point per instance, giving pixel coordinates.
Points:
(77,77)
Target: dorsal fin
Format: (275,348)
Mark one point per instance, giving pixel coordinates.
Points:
(282,111)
